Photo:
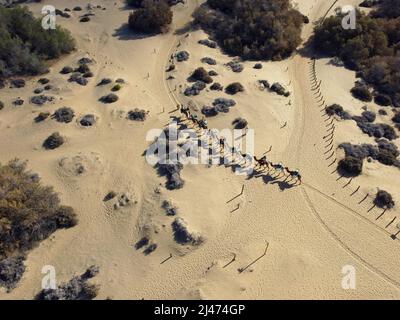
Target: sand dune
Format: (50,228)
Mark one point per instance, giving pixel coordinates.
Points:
(311,231)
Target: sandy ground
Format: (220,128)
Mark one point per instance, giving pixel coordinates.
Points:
(312,230)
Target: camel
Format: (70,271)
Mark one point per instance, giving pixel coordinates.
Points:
(193,118)
(262,163)
(185,111)
(202,123)
(245,156)
(278,167)
(295,174)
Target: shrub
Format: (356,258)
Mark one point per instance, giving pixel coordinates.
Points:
(252,29)
(209,61)
(66,70)
(41,99)
(378,130)
(240,123)
(172,172)
(200,74)
(362,93)
(29,213)
(83,68)
(42,116)
(216,86)
(370,49)
(183,235)
(351,165)
(25,45)
(279,89)
(336,109)
(104,82)
(54,141)
(383,199)
(209,111)
(76,289)
(88,120)
(117,87)
(109,98)
(386,157)
(154,17)
(18,83)
(208,43)
(64,114)
(383,100)
(182,56)
(234,88)
(137,114)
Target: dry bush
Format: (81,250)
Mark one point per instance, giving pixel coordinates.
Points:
(29,213)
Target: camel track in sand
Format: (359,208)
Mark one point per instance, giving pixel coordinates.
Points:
(302,138)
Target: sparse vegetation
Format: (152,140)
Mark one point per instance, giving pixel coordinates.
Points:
(234,88)
(64,114)
(384,199)
(336,109)
(137,114)
(201,74)
(29,213)
(371,49)
(25,45)
(77,288)
(362,93)
(54,141)
(252,29)
(351,165)
(109,98)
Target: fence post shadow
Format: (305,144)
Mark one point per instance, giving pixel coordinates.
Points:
(249,265)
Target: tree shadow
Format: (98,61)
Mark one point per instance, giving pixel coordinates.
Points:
(125,33)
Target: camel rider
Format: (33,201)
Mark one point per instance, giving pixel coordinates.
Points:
(203,123)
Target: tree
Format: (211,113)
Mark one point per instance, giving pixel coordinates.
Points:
(252,29)
(154,17)
(25,45)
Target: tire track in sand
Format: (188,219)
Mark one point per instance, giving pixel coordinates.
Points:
(314,211)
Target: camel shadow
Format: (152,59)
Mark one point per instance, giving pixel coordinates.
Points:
(268,179)
(283,185)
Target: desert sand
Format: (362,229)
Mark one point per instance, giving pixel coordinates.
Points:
(312,231)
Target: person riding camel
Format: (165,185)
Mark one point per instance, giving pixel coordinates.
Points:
(293,174)
(185,111)
(262,163)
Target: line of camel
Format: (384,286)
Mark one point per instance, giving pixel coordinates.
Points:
(262,163)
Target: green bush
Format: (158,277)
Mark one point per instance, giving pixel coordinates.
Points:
(154,17)
(253,29)
(371,49)
(25,45)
